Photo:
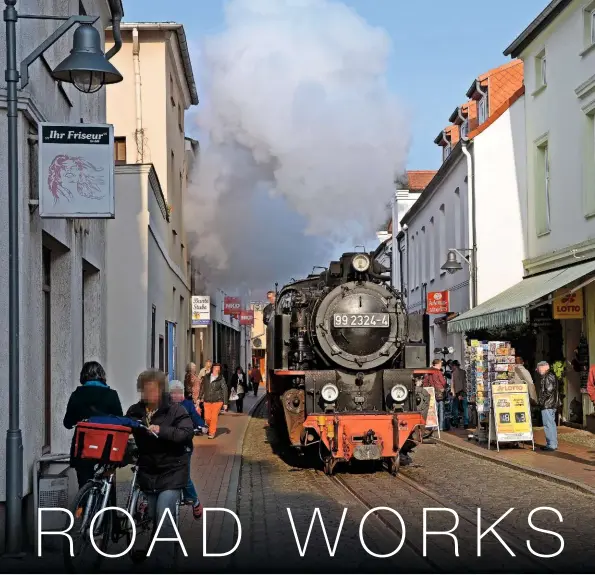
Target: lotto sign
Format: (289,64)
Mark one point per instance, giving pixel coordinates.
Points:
(437,302)
(568,306)
(232,306)
(201,310)
(246,317)
(512,414)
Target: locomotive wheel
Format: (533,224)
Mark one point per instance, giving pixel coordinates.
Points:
(423,401)
(393,464)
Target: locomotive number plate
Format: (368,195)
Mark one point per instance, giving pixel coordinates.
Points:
(361,320)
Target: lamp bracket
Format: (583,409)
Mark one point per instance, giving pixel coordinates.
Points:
(459,252)
(51,40)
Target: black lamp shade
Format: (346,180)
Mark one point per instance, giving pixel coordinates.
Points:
(87,67)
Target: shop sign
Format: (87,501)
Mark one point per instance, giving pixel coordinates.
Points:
(432,417)
(247,317)
(201,310)
(76,170)
(512,414)
(438,302)
(232,306)
(568,306)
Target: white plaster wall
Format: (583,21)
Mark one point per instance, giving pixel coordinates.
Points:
(500,154)
(557,112)
(71,241)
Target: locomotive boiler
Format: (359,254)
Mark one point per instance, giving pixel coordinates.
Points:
(342,356)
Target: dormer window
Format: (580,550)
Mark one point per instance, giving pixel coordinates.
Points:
(592,26)
(446,151)
(465,128)
(482,109)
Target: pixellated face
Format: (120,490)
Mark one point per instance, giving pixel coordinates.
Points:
(209,365)
(150,393)
(216,370)
(177,395)
(542,369)
(271,297)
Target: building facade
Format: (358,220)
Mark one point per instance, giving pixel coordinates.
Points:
(63,320)
(148,262)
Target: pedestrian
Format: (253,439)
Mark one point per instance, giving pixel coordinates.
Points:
(163,463)
(591,383)
(437,380)
(213,392)
(459,392)
(92,397)
(269,309)
(202,375)
(176,393)
(191,383)
(549,403)
(522,375)
(255,379)
(238,385)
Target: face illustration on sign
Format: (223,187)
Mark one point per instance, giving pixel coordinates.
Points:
(437,296)
(70,175)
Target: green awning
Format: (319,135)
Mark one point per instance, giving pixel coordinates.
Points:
(511,307)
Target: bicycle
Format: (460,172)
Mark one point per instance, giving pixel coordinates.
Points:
(106,443)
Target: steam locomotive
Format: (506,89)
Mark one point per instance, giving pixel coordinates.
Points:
(345,363)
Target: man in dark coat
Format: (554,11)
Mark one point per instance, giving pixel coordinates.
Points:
(548,402)
(267,312)
(92,397)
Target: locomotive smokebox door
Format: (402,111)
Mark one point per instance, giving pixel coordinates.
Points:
(415,356)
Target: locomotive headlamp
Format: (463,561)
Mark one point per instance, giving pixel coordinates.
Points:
(399,393)
(330,392)
(361,263)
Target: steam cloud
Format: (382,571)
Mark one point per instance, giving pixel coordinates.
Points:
(301,141)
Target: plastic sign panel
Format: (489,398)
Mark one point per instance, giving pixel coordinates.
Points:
(201,310)
(432,417)
(512,414)
(438,302)
(232,306)
(76,170)
(568,306)
(247,317)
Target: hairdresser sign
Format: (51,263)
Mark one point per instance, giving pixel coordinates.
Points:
(76,171)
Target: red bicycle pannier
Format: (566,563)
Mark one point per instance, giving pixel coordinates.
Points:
(101,442)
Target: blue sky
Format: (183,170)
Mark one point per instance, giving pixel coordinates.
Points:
(439,47)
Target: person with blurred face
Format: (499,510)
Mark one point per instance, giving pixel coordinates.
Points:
(548,402)
(213,392)
(267,312)
(163,462)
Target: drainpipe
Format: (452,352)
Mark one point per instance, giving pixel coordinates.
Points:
(137,93)
(471,195)
(117,14)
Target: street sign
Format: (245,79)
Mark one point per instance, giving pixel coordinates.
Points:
(201,311)
(247,317)
(232,306)
(76,170)
(438,302)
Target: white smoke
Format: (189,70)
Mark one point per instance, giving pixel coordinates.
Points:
(302,140)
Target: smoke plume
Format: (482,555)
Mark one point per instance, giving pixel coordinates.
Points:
(300,141)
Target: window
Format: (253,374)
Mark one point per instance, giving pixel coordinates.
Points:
(161,353)
(446,152)
(171,91)
(424,257)
(153,318)
(180,118)
(540,71)
(47,347)
(592,19)
(82,11)
(465,129)
(432,249)
(442,243)
(457,219)
(120,150)
(482,109)
(542,189)
(589,165)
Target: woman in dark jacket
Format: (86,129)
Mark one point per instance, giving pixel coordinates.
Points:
(163,463)
(238,384)
(93,397)
(213,392)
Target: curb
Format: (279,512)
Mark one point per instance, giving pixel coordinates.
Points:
(545,475)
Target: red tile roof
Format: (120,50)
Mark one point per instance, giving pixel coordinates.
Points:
(419,179)
(502,83)
(497,113)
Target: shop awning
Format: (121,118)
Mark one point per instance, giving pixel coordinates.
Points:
(511,307)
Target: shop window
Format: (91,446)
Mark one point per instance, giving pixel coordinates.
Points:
(120,150)
(542,189)
(47,348)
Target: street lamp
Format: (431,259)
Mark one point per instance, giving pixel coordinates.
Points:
(453,265)
(88,69)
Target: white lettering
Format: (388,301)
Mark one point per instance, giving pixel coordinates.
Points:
(361,532)
(65,532)
(316,513)
(205,553)
(491,528)
(449,533)
(176,538)
(530,520)
(92,530)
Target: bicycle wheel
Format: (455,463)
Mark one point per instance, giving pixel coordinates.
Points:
(145,529)
(87,503)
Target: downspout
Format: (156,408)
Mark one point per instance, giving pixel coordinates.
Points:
(137,93)
(471,195)
(117,14)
